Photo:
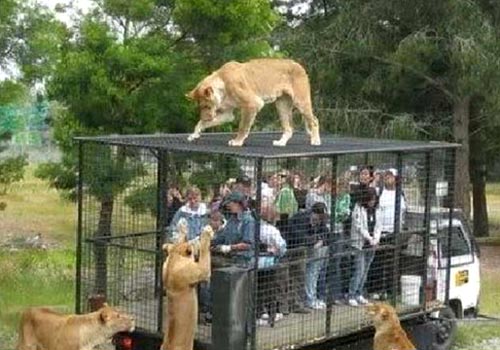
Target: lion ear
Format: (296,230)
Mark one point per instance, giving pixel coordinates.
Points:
(104,316)
(167,248)
(191,95)
(208,92)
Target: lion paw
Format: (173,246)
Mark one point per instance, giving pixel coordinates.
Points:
(316,142)
(279,143)
(235,143)
(207,230)
(193,137)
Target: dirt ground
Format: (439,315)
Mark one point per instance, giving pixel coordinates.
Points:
(490,257)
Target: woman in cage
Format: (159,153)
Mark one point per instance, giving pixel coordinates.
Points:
(194,212)
(365,236)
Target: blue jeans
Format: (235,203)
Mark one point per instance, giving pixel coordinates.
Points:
(362,261)
(316,261)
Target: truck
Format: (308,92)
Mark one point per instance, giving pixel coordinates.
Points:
(125,206)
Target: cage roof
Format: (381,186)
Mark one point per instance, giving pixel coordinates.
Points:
(260,144)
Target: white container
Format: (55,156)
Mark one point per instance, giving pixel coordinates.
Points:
(410,289)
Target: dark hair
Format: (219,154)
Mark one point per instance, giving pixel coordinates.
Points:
(369,193)
(319,208)
(367,167)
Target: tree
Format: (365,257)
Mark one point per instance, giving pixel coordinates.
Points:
(426,60)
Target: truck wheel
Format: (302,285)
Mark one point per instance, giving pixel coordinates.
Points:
(445,329)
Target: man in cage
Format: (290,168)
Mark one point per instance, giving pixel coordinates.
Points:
(382,278)
(306,236)
(237,238)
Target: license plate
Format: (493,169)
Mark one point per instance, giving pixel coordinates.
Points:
(462,277)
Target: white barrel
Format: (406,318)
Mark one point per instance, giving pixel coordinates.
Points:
(410,289)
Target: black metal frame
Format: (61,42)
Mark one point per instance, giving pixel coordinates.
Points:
(258,150)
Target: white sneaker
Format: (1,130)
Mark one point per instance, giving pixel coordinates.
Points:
(318,305)
(265,316)
(278,317)
(262,322)
(361,300)
(353,302)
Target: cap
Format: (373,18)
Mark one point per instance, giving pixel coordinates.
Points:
(392,171)
(235,196)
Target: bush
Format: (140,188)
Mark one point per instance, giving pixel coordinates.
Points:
(11,170)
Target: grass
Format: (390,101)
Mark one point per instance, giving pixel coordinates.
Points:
(33,277)
(490,293)
(33,207)
(493,198)
(469,335)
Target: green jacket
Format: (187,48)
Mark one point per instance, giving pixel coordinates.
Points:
(285,201)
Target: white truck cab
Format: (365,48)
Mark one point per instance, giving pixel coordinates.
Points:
(463,257)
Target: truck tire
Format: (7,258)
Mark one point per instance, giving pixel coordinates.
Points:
(445,329)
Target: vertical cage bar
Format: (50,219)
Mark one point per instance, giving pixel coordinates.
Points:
(254,288)
(429,185)
(397,229)
(161,222)
(332,243)
(78,282)
(451,199)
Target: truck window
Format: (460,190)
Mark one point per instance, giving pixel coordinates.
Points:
(460,246)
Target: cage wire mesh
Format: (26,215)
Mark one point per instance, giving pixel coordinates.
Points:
(320,231)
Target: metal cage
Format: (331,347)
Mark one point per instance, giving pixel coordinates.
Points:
(269,296)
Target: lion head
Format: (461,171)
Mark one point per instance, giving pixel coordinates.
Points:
(116,320)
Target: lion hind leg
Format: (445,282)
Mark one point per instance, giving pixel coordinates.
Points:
(284,106)
(302,101)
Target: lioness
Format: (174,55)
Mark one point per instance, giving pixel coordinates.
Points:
(389,335)
(181,274)
(250,85)
(45,329)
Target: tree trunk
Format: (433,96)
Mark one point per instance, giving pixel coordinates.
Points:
(481,227)
(461,115)
(100,245)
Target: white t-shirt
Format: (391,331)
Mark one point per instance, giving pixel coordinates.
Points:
(387,207)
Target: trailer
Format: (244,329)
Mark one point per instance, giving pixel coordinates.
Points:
(428,267)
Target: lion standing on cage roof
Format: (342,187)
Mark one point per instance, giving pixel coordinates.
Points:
(249,86)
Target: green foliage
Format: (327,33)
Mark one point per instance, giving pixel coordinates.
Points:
(11,171)
(143,200)
(236,29)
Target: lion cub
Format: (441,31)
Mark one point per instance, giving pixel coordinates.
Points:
(388,332)
(45,329)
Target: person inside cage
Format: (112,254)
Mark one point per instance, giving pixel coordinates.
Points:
(271,279)
(320,193)
(299,189)
(286,204)
(237,238)
(194,212)
(306,238)
(337,272)
(384,259)
(365,237)
(174,202)
(270,187)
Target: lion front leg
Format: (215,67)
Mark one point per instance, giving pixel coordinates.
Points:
(246,121)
